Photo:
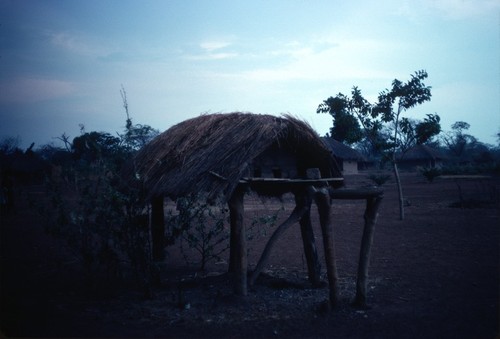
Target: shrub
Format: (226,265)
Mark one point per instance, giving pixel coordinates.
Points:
(201,226)
(379,179)
(101,222)
(430,173)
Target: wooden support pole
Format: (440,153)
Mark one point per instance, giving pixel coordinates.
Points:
(238,250)
(296,215)
(322,198)
(157,228)
(311,254)
(371,214)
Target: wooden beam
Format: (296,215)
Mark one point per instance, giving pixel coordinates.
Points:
(294,217)
(371,214)
(157,228)
(322,198)
(310,252)
(238,250)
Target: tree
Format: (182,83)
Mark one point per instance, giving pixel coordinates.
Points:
(458,141)
(414,132)
(345,126)
(391,104)
(9,145)
(136,136)
(95,145)
(428,129)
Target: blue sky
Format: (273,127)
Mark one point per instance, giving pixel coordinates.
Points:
(62,63)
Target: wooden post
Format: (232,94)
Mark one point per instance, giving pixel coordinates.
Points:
(296,215)
(371,214)
(322,198)
(157,228)
(238,250)
(310,252)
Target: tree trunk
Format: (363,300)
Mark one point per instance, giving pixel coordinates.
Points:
(400,190)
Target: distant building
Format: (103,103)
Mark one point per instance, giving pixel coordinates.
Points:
(421,156)
(349,160)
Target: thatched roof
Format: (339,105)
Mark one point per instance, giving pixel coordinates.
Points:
(211,153)
(342,151)
(422,152)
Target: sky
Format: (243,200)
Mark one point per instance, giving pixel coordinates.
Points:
(63,63)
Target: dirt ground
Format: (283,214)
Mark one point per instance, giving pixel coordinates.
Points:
(433,275)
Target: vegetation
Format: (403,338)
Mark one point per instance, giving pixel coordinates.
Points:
(105,220)
(379,179)
(369,120)
(201,226)
(430,173)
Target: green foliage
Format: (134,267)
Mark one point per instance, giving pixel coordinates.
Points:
(355,119)
(95,146)
(379,179)
(102,223)
(386,111)
(427,129)
(135,136)
(413,132)
(260,225)
(430,173)
(490,168)
(345,126)
(91,205)
(458,141)
(9,145)
(201,226)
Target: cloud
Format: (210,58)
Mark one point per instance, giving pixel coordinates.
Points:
(68,42)
(211,46)
(328,60)
(213,50)
(78,44)
(213,56)
(460,9)
(34,89)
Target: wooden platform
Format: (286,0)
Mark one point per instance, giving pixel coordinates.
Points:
(322,191)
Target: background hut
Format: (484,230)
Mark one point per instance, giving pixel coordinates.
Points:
(348,159)
(421,156)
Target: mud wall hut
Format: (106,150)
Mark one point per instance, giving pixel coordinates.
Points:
(421,156)
(348,159)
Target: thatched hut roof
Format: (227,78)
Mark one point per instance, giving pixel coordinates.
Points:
(211,153)
(422,152)
(342,151)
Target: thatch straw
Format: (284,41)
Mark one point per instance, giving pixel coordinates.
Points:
(211,153)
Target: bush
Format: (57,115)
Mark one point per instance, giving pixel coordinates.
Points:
(430,173)
(102,223)
(93,207)
(379,179)
(201,226)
